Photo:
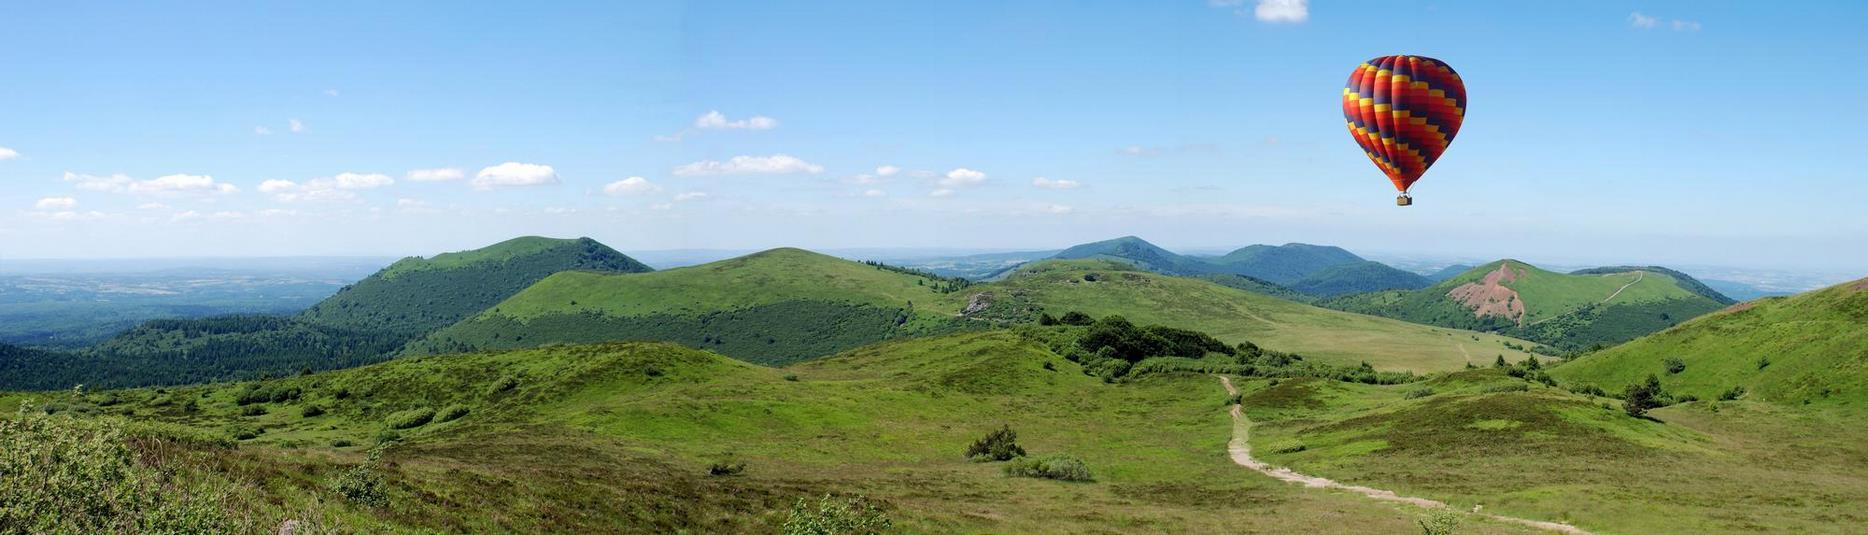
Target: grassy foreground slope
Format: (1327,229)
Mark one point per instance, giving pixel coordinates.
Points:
(776,306)
(619,437)
(1482,438)
(1569,311)
(1807,348)
(1102,288)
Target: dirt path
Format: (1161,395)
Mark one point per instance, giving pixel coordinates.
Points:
(1618,291)
(1462,351)
(1240,449)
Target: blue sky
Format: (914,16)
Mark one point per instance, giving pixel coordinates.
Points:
(1609,132)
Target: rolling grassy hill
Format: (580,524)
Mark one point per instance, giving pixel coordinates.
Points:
(1100,287)
(1568,311)
(365,322)
(619,437)
(1807,348)
(772,307)
(1310,271)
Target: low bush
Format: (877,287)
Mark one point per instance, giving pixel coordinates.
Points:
(1733,394)
(1419,393)
(1588,390)
(1000,445)
(361,484)
(724,468)
(1057,466)
(253,410)
(1674,365)
(311,411)
(410,418)
(342,443)
(1442,521)
(1288,445)
(1508,387)
(1076,318)
(243,432)
(387,436)
(451,413)
(504,384)
(836,516)
(1638,398)
(60,474)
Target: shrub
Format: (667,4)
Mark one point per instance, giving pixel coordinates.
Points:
(1124,339)
(504,384)
(410,418)
(1000,445)
(1288,445)
(387,436)
(60,474)
(1057,466)
(361,484)
(1441,521)
(836,516)
(1047,319)
(1588,390)
(1076,318)
(1763,361)
(791,377)
(1050,366)
(1507,387)
(311,411)
(1733,394)
(652,371)
(1638,398)
(244,433)
(724,468)
(1419,393)
(451,413)
(1531,363)
(1675,365)
(342,443)
(1500,363)
(253,410)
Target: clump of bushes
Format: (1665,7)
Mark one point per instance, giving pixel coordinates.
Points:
(1056,466)
(451,413)
(1733,394)
(1076,318)
(836,516)
(1674,365)
(410,418)
(1441,521)
(311,411)
(342,443)
(255,393)
(724,468)
(999,445)
(361,484)
(1507,387)
(504,384)
(242,432)
(1588,390)
(60,474)
(253,410)
(1638,398)
(1288,446)
(1419,393)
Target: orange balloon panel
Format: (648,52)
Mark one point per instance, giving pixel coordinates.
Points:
(1404,112)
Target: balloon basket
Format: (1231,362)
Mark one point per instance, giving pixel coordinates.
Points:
(1404,200)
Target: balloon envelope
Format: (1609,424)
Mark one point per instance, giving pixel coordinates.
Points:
(1404,111)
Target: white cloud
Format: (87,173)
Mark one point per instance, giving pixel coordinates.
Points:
(875,193)
(962,177)
(777,164)
(411,203)
(1138,150)
(1281,11)
(1642,21)
(1647,22)
(330,92)
(887,170)
(361,180)
(442,174)
(1047,183)
(943,192)
(1055,209)
(515,174)
(691,196)
(297,126)
(715,120)
(8,154)
(56,203)
(865,179)
(191,215)
(114,183)
(152,206)
(276,186)
(1685,26)
(634,185)
(261,130)
(178,184)
(661,206)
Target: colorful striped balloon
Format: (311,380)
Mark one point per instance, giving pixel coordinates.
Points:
(1404,111)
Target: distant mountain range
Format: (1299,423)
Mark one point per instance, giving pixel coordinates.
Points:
(1315,271)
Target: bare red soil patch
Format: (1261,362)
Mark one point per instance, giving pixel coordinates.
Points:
(1490,297)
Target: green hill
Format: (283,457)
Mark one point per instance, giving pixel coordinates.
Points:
(1358,277)
(1807,348)
(1256,285)
(1284,264)
(1448,272)
(621,437)
(1138,252)
(1567,311)
(365,322)
(1101,288)
(776,306)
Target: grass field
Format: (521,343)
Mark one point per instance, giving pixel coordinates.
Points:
(1704,467)
(619,436)
(1235,315)
(1807,348)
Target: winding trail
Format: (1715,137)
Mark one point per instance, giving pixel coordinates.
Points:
(1618,291)
(1240,449)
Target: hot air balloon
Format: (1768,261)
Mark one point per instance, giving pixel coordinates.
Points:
(1404,111)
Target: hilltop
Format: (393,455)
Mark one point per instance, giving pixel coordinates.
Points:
(364,322)
(1806,348)
(1568,311)
(1103,287)
(1309,270)
(776,306)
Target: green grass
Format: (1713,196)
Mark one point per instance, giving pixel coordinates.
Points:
(1814,345)
(1236,316)
(1705,467)
(619,436)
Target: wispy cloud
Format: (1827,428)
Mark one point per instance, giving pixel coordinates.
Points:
(8,154)
(443,174)
(1272,11)
(513,175)
(297,126)
(1048,183)
(962,177)
(714,120)
(691,196)
(777,164)
(167,185)
(56,203)
(634,185)
(1648,22)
